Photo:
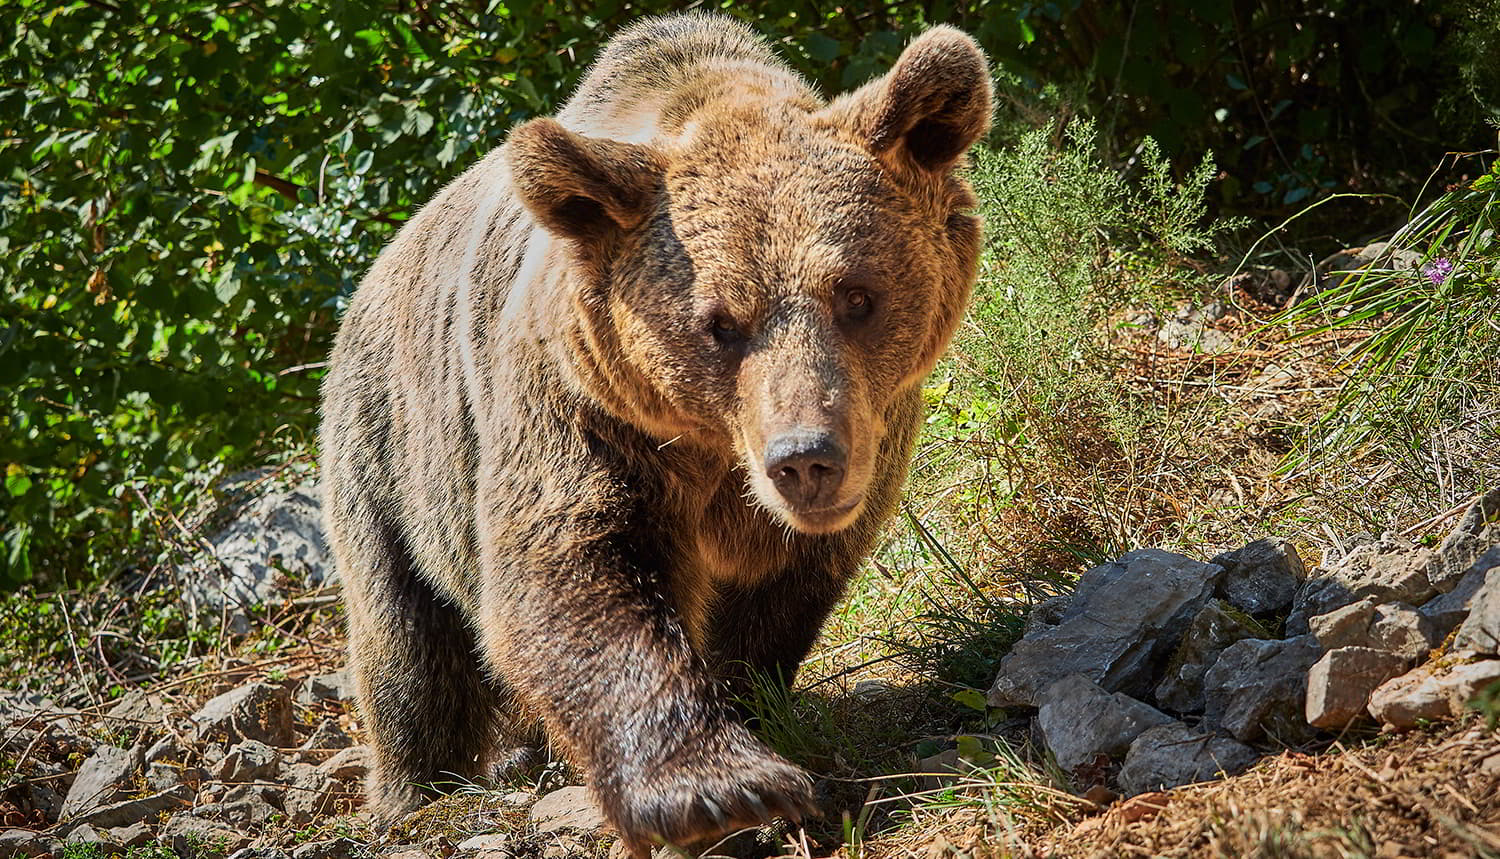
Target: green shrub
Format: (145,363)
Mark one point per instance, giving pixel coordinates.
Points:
(1031,404)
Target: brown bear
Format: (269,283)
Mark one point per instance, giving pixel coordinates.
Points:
(614,419)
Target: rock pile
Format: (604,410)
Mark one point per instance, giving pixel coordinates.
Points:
(251,774)
(1161,670)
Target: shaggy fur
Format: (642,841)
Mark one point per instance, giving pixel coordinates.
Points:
(615,418)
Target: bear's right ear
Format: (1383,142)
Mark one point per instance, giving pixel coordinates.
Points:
(582,187)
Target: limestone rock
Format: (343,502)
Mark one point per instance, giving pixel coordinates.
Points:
(1122,622)
(338,848)
(309,793)
(490,842)
(190,835)
(1339,684)
(1174,754)
(1262,577)
(257,711)
(1212,629)
(24,842)
(1259,687)
(1480,632)
(134,835)
(1081,721)
(350,763)
(1476,533)
(1447,612)
(1387,570)
(1393,627)
(247,761)
(100,780)
(130,811)
(177,780)
(277,534)
(569,809)
(337,686)
(325,739)
(1430,693)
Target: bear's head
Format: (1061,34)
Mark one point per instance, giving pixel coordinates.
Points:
(769,277)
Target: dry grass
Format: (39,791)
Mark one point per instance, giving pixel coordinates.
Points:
(1422,795)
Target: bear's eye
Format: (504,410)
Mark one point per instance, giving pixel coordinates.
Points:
(858,304)
(725,330)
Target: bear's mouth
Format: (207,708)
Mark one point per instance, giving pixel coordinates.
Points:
(825,520)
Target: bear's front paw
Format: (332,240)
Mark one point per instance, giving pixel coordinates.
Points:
(705,793)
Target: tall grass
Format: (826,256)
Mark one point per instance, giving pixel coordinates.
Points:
(1431,357)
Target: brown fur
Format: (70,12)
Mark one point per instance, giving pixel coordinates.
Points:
(557,406)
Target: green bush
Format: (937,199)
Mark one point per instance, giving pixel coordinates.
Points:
(1031,403)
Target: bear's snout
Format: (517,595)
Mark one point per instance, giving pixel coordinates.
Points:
(807,466)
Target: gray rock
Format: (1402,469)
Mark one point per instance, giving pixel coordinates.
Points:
(1261,578)
(1123,621)
(174,779)
(135,712)
(1174,754)
(1445,613)
(262,853)
(309,793)
(1258,688)
(134,835)
(130,811)
(569,809)
(1430,693)
(24,842)
(1211,630)
(1339,684)
(257,711)
(277,534)
(350,763)
(337,686)
(247,761)
(942,769)
(1047,613)
(1080,721)
(490,842)
(100,780)
(1386,570)
(1480,632)
(325,739)
(338,848)
(1476,533)
(83,834)
(168,749)
(245,805)
(1393,627)
(190,835)
(1194,335)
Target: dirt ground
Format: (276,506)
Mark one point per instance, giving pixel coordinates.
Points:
(1433,793)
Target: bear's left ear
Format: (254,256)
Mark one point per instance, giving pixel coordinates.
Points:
(928,109)
(579,187)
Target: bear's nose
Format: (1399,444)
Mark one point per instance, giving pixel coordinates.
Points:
(807,466)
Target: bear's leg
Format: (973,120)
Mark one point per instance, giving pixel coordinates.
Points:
(580,624)
(766,630)
(430,710)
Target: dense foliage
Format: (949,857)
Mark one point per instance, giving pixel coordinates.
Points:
(188,189)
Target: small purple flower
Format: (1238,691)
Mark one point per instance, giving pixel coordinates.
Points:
(1438,270)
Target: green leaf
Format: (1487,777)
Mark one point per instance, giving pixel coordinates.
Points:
(971,698)
(17,483)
